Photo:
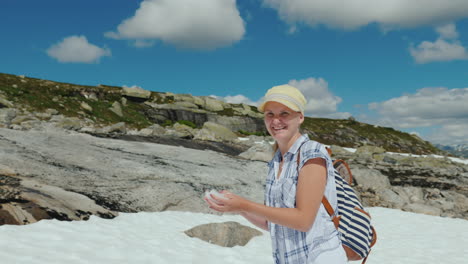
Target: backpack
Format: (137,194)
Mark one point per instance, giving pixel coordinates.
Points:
(352,222)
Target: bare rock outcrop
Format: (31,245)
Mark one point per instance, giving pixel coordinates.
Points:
(26,201)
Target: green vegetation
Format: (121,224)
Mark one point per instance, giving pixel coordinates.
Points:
(257,133)
(187,123)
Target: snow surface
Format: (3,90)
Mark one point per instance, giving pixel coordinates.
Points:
(403,237)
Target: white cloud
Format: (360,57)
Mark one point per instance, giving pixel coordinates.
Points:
(446,48)
(352,14)
(447,31)
(200,25)
(450,134)
(77,49)
(239,99)
(440,50)
(320,101)
(428,107)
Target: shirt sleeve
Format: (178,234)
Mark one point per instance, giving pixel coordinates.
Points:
(311,150)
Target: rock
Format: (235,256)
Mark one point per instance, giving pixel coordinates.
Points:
(22,118)
(184,104)
(212,104)
(123,100)
(136,92)
(117,109)
(43,116)
(183,130)
(422,209)
(392,198)
(115,128)
(370,178)
(7,115)
(69,123)
(52,111)
(5,103)
(86,106)
(227,234)
(237,123)
(26,201)
(261,152)
(215,132)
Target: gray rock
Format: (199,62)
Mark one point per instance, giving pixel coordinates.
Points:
(393,198)
(261,152)
(422,209)
(52,111)
(136,92)
(227,234)
(86,106)
(26,201)
(7,115)
(115,128)
(215,132)
(117,109)
(370,178)
(5,103)
(69,123)
(212,104)
(129,176)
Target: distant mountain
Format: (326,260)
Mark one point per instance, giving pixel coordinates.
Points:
(460,150)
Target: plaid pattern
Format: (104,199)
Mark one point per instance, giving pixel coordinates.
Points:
(291,246)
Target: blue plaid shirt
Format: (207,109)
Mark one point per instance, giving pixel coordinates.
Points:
(291,246)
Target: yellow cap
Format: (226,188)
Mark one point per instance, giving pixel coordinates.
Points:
(287,95)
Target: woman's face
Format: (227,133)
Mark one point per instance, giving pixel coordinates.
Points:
(282,122)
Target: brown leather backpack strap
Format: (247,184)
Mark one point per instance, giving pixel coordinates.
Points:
(331,212)
(327,206)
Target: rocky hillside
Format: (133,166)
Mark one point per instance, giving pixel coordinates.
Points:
(26,101)
(60,156)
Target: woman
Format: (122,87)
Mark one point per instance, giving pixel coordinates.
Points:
(300,173)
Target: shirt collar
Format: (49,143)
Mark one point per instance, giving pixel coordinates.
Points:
(294,148)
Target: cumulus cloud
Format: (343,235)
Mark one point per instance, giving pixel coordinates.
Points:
(77,49)
(446,48)
(352,14)
(450,134)
(320,101)
(200,25)
(428,107)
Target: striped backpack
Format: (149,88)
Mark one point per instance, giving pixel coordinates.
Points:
(352,222)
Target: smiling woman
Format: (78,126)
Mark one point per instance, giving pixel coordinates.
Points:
(300,174)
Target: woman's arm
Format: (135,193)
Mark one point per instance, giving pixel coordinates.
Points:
(309,192)
(258,221)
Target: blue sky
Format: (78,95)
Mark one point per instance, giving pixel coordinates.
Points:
(402,64)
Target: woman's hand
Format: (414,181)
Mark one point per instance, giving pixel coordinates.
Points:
(231,203)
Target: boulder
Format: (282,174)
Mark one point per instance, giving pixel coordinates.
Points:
(5,103)
(370,178)
(136,92)
(7,115)
(422,209)
(117,109)
(115,128)
(212,104)
(227,234)
(215,132)
(86,106)
(69,123)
